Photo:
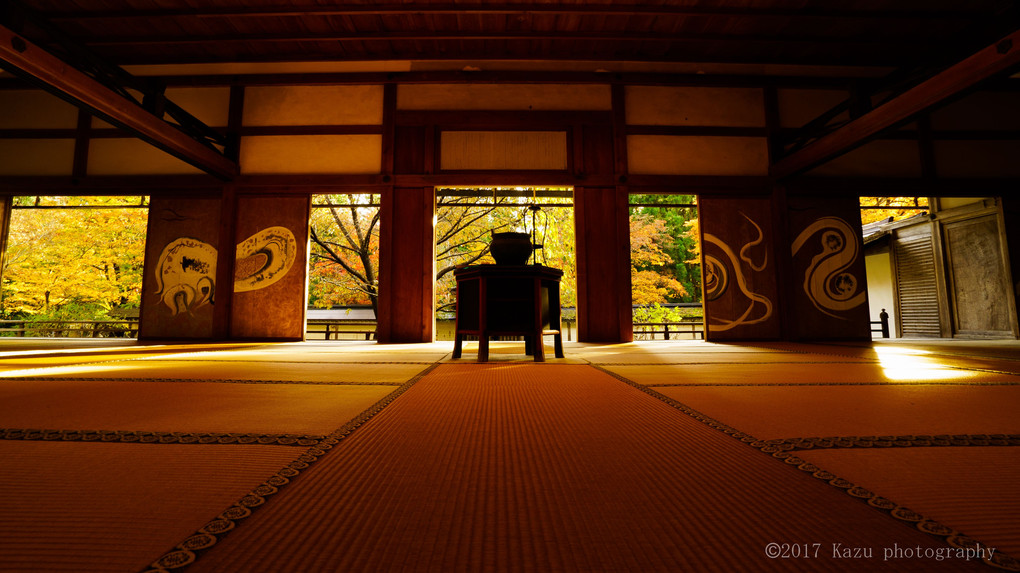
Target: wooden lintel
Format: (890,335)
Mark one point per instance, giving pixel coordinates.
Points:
(86,92)
(982,65)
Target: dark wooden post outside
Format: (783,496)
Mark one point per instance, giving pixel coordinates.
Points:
(223,308)
(6,203)
(1010,207)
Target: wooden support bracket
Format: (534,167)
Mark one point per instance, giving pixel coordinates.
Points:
(68,83)
(992,60)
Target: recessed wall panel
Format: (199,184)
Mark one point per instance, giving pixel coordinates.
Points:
(211,106)
(311,154)
(797,106)
(679,155)
(133,157)
(313,105)
(548,97)
(495,150)
(36,156)
(977,158)
(729,107)
(998,110)
(35,109)
(882,158)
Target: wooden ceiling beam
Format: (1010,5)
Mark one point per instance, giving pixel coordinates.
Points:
(74,86)
(405,9)
(992,60)
(897,43)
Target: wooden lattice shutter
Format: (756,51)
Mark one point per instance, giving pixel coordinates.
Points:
(917,286)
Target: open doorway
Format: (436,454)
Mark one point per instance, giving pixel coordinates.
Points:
(466,217)
(666,286)
(343,279)
(913,280)
(73,266)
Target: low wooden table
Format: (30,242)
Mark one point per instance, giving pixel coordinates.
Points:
(508,300)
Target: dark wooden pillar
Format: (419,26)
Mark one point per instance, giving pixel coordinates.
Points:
(1011,228)
(225,269)
(406,265)
(602,228)
(407,241)
(6,204)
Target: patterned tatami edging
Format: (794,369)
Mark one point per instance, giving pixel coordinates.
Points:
(743,363)
(142,437)
(313,362)
(878,442)
(782,451)
(871,383)
(187,551)
(193,380)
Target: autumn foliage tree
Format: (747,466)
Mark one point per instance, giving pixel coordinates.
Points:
(345,251)
(881,208)
(651,281)
(345,241)
(73,258)
(464,227)
(665,264)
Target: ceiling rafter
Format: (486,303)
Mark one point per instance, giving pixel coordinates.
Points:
(634,36)
(803,12)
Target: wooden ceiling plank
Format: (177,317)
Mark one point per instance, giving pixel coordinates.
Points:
(521,8)
(86,92)
(637,35)
(990,61)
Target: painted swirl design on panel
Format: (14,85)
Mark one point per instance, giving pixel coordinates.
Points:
(186,275)
(717,279)
(828,283)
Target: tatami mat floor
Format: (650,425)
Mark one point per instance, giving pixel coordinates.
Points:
(654,456)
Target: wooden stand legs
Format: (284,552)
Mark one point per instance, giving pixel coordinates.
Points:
(530,348)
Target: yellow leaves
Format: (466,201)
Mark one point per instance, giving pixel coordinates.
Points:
(896,207)
(648,239)
(649,287)
(90,257)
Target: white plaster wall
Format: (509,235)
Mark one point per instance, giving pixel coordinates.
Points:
(880,289)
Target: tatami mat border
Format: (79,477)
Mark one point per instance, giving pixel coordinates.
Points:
(783,452)
(187,551)
(143,437)
(192,380)
(877,383)
(315,362)
(935,440)
(742,363)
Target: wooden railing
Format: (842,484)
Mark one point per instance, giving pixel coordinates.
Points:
(316,329)
(882,323)
(339,329)
(127,328)
(687,329)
